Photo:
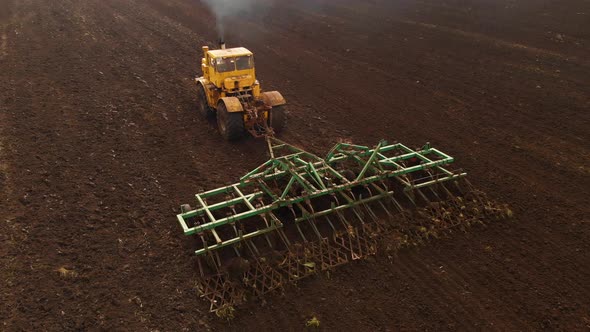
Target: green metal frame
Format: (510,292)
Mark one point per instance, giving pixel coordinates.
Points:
(293,177)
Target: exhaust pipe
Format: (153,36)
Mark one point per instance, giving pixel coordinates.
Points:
(221,44)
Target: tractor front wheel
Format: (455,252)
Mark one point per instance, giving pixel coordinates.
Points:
(231,125)
(203,105)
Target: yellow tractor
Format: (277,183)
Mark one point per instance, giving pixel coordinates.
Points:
(229,88)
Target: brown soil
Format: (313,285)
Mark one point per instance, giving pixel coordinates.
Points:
(100,142)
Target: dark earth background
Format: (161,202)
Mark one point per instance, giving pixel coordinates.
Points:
(100,143)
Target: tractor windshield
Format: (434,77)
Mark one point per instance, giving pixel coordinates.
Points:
(244,62)
(227,64)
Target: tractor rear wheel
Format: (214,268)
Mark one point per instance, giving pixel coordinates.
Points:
(203,105)
(231,125)
(278,118)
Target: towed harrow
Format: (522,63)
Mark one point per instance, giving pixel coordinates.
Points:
(298,214)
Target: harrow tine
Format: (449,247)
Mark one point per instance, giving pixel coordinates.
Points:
(371,213)
(357,212)
(356,239)
(310,220)
(397,204)
(434,193)
(315,229)
(447,191)
(468,185)
(253,249)
(238,234)
(293,212)
(423,196)
(201,271)
(331,225)
(266,223)
(236,251)
(205,245)
(284,238)
(216,260)
(301,233)
(385,209)
(270,245)
(343,220)
(409,194)
(368,208)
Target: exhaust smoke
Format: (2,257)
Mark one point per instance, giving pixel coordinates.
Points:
(225,10)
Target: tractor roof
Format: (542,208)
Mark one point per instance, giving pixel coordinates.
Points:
(236,51)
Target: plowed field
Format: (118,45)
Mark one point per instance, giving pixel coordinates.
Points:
(100,142)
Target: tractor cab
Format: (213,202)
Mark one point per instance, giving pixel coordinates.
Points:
(231,70)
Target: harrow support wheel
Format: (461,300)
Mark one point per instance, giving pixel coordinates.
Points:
(231,124)
(184,208)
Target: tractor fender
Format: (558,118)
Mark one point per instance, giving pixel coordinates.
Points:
(202,82)
(273,98)
(232,104)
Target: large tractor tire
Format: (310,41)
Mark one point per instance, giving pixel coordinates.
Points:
(231,124)
(203,105)
(278,118)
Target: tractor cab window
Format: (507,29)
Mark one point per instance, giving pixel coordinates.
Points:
(245,62)
(227,64)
